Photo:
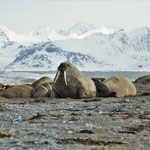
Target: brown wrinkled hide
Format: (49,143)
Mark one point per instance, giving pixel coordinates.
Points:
(102,89)
(41,81)
(143,79)
(42,91)
(17,91)
(76,85)
(121,85)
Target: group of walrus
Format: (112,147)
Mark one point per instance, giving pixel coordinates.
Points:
(70,82)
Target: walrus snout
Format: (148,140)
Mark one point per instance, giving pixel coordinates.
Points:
(62,69)
(57,76)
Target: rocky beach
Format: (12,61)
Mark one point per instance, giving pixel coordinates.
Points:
(94,124)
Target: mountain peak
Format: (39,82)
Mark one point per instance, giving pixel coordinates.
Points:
(43,30)
(3,28)
(140,31)
(81,28)
(107,30)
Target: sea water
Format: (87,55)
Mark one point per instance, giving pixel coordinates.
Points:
(21,76)
(132,75)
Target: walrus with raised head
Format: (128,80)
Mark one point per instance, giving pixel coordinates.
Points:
(17,91)
(70,82)
(121,85)
(42,91)
(41,81)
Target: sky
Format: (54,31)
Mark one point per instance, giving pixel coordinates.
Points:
(29,15)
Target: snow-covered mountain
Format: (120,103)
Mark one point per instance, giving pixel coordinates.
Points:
(77,31)
(79,28)
(86,46)
(121,50)
(7,35)
(46,56)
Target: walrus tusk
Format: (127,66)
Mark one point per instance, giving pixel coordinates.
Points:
(44,88)
(57,75)
(49,86)
(65,78)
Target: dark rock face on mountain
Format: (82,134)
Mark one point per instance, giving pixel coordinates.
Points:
(48,56)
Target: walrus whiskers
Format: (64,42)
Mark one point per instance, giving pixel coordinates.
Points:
(57,75)
(44,88)
(65,78)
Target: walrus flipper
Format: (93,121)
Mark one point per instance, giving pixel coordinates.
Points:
(102,90)
(84,94)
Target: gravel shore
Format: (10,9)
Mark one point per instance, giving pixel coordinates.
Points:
(92,124)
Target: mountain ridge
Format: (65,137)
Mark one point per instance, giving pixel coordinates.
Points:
(106,48)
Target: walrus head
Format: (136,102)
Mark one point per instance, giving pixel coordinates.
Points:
(42,90)
(62,69)
(2,86)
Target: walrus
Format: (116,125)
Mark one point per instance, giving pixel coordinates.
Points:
(17,91)
(143,79)
(102,89)
(41,81)
(121,85)
(70,82)
(42,91)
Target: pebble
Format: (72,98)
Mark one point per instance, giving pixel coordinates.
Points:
(126,100)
